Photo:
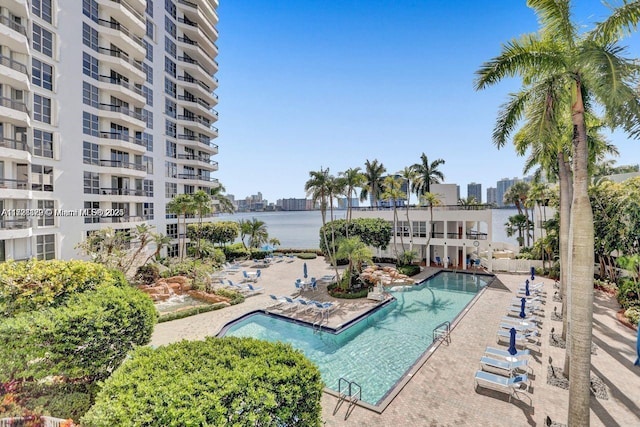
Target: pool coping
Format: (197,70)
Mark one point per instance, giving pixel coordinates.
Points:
(391,394)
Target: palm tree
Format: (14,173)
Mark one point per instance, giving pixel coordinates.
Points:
(518,223)
(373,176)
(431,200)
(468,201)
(352,179)
(392,193)
(517,194)
(223,204)
(182,204)
(257,231)
(356,252)
(320,187)
(592,70)
(428,174)
(410,175)
(245,230)
(202,205)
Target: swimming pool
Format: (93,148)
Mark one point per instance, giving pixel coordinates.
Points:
(376,351)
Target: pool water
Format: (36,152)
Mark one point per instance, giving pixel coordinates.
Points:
(378,350)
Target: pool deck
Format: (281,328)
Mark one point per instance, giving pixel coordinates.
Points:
(441,392)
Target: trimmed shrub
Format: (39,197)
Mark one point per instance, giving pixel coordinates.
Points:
(147,274)
(235,251)
(307,255)
(337,292)
(218,381)
(628,293)
(633,314)
(32,285)
(409,270)
(190,312)
(88,337)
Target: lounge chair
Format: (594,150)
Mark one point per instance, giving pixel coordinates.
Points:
(293,305)
(306,305)
(528,306)
(497,352)
(254,289)
(503,367)
(325,307)
(530,300)
(499,383)
(515,311)
(277,302)
(521,338)
(438,261)
(522,329)
(532,321)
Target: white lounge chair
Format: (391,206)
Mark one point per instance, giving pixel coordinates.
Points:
(521,329)
(522,339)
(277,302)
(254,289)
(498,352)
(507,385)
(532,321)
(502,366)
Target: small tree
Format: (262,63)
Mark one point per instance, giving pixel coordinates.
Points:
(356,253)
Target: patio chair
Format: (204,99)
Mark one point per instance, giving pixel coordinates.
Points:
(293,305)
(477,262)
(514,311)
(522,329)
(532,321)
(306,305)
(497,352)
(501,384)
(438,261)
(277,302)
(522,339)
(504,367)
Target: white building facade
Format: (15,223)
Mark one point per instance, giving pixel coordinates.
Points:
(106,113)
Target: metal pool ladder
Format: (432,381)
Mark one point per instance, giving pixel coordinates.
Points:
(318,320)
(442,332)
(348,390)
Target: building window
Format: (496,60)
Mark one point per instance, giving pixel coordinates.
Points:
(170,190)
(172,231)
(171,149)
(150,29)
(90,153)
(89,65)
(90,124)
(46,220)
(147,116)
(46,247)
(172,250)
(42,143)
(41,109)
(171,170)
(170,128)
(91,183)
(170,7)
(90,9)
(169,87)
(42,8)
(147,210)
(91,207)
(41,178)
(89,36)
(148,71)
(42,40)
(149,49)
(169,66)
(147,140)
(170,108)
(170,46)
(90,94)
(189,189)
(147,187)
(170,26)
(148,95)
(41,74)
(149,8)
(147,161)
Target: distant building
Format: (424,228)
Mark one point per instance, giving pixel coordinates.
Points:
(475,190)
(492,195)
(342,203)
(293,204)
(502,187)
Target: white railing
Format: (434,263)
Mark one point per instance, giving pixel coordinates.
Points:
(20,421)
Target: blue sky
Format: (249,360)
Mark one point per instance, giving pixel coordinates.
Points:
(306,84)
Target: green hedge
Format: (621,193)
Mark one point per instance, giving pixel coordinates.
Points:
(32,285)
(217,382)
(409,270)
(88,337)
(189,312)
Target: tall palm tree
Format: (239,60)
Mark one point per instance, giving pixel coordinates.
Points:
(428,173)
(181,205)
(373,175)
(392,193)
(221,202)
(258,233)
(592,69)
(410,175)
(202,205)
(517,194)
(352,179)
(431,200)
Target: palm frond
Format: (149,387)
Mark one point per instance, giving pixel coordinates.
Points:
(554,18)
(622,22)
(509,115)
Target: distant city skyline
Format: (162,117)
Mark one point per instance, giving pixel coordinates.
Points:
(312,84)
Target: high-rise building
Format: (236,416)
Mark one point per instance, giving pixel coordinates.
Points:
(475,190)
(502,187)
(492,196)
(106,113)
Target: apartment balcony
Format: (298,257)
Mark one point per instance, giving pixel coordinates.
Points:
(13,35)
(124,140)
(125,219)
(199,142)
(202,52)
(122,195)
(122,89)
(120,168)
(200,13)
(15,73)
(15,228)
(193,122)
(121,62)
(197,160)
(200,104)
(129,13)
(17,7)
(195,179)
(15,189)
(14,149)
(204,89)
(14,111)
(132,118)
(195,68)
(116,32)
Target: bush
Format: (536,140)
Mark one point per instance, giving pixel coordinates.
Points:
(32,285)
(190,312)
(218,381)
(88,337)
(235,251)
(147,274)
(198,271)
(307,255)
(409,270)
(628,293)
(337,292)
(234,297)
(633,314)
(60,400)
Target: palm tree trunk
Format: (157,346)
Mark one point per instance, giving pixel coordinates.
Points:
(565,220)
(581,294)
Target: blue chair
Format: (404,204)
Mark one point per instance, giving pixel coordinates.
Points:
(258,272)
(438,261)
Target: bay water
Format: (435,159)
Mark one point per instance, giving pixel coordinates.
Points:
(301,229)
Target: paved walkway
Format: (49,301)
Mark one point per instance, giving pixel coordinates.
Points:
(442,392)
